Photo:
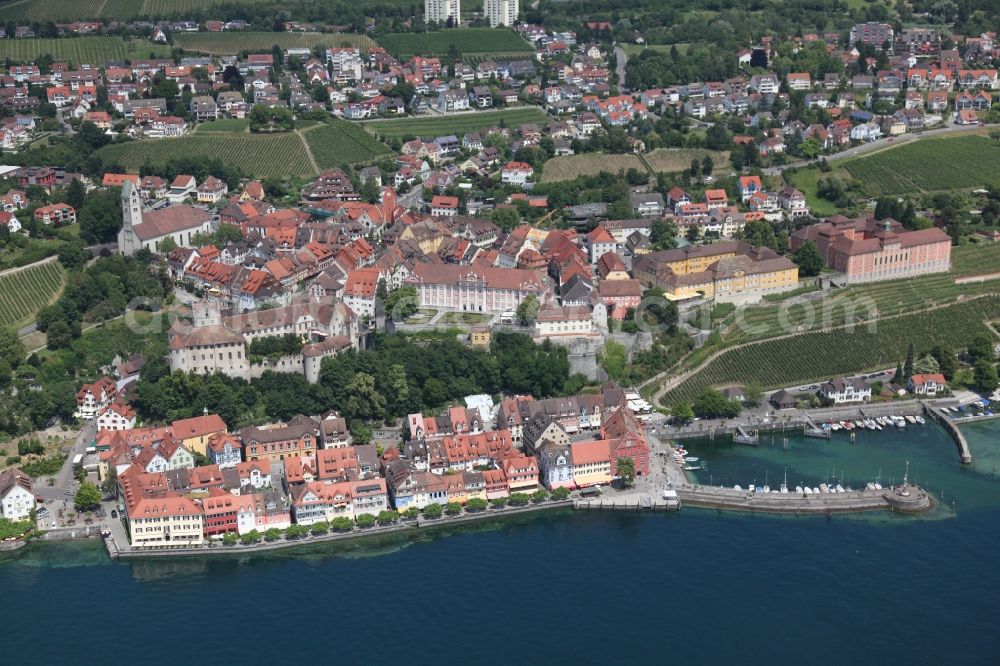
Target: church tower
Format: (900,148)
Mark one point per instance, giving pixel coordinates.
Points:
(128,242)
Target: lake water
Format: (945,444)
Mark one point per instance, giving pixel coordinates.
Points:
(565,587)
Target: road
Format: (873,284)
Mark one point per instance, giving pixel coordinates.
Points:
(414,198)
(63,480)
(879,144)
(621,59)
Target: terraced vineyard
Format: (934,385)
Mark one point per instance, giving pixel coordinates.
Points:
(257,155)
(568,167)
(474,41)
(231,43)
(434,126)
(341,142)
(930,165)
(23,292)
(821,355)
(78,50)
(55,10)
(671,160)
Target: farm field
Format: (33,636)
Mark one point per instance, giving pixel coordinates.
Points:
(341,142)
(568,167)
(55,10)
(228,125)
(257,155)
(931,164)
(433,126)
(23,292)
(466,40)
(821,355)
(668,160)
(78,50)
(231,43)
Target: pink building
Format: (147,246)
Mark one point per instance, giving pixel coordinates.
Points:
(869,250)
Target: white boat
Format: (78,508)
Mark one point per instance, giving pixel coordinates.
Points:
(815,490)
(692,468)
(809,490)
(784,489)
(737,487)
(920,419)
(798,489)
(878,486)
(843,424)
(869,486)
(835,427)
(840,489)
(691,459)
(911,419)
(823,488)
(767,489)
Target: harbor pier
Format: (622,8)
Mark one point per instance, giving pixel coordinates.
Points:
(906,498)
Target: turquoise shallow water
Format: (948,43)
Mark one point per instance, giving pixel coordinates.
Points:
(698,587)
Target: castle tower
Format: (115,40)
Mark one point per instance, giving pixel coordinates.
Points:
(128,242)
(205,313)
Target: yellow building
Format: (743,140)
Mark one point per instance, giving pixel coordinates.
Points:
(591,463)
(165,521)
(730,272)
(480,336)
(194,433)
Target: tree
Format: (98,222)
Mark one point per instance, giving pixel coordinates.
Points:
(59,334)
(230,538)
(528,309)
(908,366)
(386,517)
(320,528)
(626,471)
(76,193)
(342,524)
(253,536)
(369,190)
(947,361)
(809,259)
(753,393)
(476,504)
(402,303)
(88,497)
(682,412)
(898,377)
(433,511)
(296,531)
(663,234)
(539,496)
(364,402)
(981,347)
(73,255)
(101,218)
(272,534)
(712,404)
(365,520)
(984,376)
(692,233)
(498,502)
(453,508)
(506,218)
(560,493)
(695,168)
(518,499)
(707,165)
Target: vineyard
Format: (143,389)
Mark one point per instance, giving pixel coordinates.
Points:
(930,165)
(569,167)
(975,259)
(23,292)
(55,10)
(822,355)
(851,305)
(473,41)
(224,125)
(231,43)
(458,125)
(78,50)
(667,160)
(257,155)
(341,142)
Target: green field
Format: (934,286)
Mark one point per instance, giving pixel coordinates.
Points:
(467,40)
(24,292)
(635,49)
(231,43)
(257,155)
(807,181)
(429,127)
(931,164)
(56,10)
(975,259)
(340,142)
(223,125)
(822,355)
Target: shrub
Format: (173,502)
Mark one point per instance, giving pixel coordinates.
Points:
(365,520)
(453,508)
(433,511)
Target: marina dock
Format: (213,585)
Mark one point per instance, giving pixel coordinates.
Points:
(628,503)
(906,498)
(963,445)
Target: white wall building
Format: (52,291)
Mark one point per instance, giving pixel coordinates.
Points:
(17,500)
(440,11)
(501,12)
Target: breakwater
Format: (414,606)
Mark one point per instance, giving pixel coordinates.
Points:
(906,498)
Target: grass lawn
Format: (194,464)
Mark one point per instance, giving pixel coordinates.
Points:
(465,318)
(224,125)
(635,49)
(466,40)
(806,180)
(422,316)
